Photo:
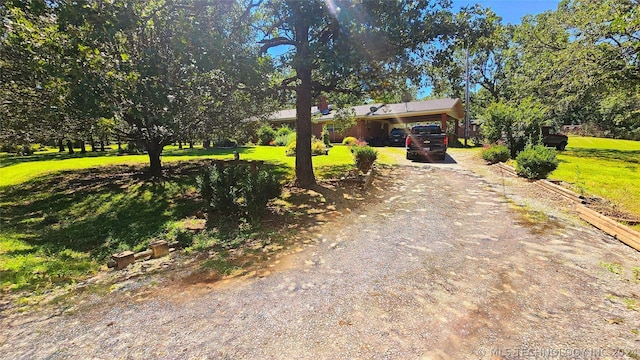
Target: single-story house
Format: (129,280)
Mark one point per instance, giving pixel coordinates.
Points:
(375,121)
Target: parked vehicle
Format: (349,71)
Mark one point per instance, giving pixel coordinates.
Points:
(552,139)
(398,137)
(426,142)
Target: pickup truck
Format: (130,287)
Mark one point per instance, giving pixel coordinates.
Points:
(426,142)
(552,139)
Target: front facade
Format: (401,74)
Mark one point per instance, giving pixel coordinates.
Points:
(374,122)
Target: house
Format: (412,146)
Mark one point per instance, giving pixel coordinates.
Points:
(375,121)
(474,128)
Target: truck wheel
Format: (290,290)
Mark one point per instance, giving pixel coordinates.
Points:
(442,157)
(409,157)
(561,146)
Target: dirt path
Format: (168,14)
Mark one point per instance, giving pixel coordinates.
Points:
(442,267)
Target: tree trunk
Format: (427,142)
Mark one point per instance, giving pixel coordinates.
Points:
(180,145)
(206,143)
(102,145)
(304,166)
(93,144)
(190,144)
(154,150)
(83,148)
(60,145)
(70,146)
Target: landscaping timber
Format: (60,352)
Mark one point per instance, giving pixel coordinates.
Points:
(613,228)
(507,169)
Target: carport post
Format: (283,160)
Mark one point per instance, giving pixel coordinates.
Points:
(443,122)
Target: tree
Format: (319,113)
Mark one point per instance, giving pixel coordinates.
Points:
(31,90)
(343,47)
(514,123)
(581,61)
(168,69)
(480,31)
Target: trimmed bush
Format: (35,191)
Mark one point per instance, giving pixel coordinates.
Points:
(325,136)
(291,149)
(495,154)
(266,135)
(536,162)
(233,191)
(364,157)
(317,147)
(349,141)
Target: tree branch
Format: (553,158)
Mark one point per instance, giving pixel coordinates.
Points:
(247,11)
(269,43)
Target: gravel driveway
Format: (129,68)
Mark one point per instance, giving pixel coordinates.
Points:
(441,267)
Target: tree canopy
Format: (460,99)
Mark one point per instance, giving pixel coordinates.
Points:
(159,71)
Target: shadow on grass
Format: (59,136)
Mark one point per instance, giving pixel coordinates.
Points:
(207,152)
(10,159)
(632,156)
(98,211)
(61,227)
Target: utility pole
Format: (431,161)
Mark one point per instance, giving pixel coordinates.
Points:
(466,96)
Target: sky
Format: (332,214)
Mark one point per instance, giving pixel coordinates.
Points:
(511,11)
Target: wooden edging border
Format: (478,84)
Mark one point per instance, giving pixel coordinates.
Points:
(611,227)
(506,168)
(619,231)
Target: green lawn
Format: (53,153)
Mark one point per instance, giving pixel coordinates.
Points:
(62,215)
(15,170)
(604,167)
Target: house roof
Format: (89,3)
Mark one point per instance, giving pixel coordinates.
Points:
(451,107)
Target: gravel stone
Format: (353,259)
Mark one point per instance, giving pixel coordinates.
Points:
(406,283)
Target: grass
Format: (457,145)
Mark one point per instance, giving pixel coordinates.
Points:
(18,169)
(58,228)
(607,168)
(62,216)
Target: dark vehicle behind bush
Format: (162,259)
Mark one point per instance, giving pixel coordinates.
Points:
(552,139)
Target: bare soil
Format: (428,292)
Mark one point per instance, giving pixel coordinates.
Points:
(439,261)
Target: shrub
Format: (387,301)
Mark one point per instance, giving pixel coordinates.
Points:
(257,190)
(284,130)
(495,154)
(233,191)
(266,134)
(225,142)
(536,162)
(325,135)
(364,157)
(357,144)
(285,139)
(25,149)
(291,149)
(317,147)
(349,141)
